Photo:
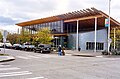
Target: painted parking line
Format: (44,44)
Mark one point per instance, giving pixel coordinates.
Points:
(22,57)
(15,74)
(37,56)
(11,68)
(37,78)
(30,56)
(4,65)
(99,56)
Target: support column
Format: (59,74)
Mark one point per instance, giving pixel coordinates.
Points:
(77,35)
(109,28)
(95,33)
(114,37)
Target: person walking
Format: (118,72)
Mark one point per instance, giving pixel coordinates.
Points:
(59,50)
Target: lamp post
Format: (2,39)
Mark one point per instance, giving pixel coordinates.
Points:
(109,28)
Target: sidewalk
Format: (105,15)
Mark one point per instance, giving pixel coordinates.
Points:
(6,58)
(84,53)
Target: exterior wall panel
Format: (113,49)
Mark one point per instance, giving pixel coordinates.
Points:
(88,37)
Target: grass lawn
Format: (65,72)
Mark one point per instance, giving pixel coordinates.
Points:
(3,54)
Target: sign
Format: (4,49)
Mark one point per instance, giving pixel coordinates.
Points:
(5,33)
(106,22)
(4,40)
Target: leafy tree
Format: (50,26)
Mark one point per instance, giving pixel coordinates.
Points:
(117,37)
(1,37)
(24,37)
(44,36)
(12,38)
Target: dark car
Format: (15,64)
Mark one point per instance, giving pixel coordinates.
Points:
(43,48)
(17,46)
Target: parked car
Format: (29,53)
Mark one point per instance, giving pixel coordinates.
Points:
(43,48)
(28,46)
(1,45)
(17,46)
(6,45)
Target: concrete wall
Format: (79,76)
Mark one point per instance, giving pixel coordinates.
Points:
(88,37)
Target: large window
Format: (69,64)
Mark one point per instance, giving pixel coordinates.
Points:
(90,46)
(56,25)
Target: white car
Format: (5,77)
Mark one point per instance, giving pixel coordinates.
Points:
(8,45)
(27,46)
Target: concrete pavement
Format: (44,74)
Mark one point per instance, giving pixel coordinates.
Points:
(70,52)
(84,53)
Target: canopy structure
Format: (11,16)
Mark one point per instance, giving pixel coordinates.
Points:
(86,14)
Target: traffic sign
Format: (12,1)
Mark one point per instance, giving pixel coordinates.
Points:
(5,33)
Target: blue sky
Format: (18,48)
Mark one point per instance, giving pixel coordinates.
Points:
(15,11)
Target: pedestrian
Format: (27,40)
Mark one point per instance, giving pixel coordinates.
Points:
(59,50)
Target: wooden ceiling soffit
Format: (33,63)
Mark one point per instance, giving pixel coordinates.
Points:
(83,18)
(91,12)
(80,13)
(95,10)
(68,15)
(87,12)
(110,18)
(76,14)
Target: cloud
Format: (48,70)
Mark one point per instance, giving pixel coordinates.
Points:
(15,11)
(11,28)
(7,20)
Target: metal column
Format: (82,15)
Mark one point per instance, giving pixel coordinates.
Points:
(95,33)
(77,35)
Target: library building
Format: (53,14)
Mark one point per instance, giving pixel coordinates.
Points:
(83,29)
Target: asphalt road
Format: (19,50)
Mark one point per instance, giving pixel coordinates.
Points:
(29,65)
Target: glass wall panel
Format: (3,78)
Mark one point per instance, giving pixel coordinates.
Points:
(56,26)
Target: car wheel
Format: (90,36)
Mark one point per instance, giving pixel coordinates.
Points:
(35,51)
(41,51)
(25,49)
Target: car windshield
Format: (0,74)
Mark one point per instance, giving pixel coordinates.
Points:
(16,44)
(41,46)
(27,44)
(8,44)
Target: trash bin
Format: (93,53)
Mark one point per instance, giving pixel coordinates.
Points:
(63,52)
(79,49)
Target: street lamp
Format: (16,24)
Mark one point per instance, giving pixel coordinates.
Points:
(109,28)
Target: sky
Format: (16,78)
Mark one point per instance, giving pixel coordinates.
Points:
(16,11)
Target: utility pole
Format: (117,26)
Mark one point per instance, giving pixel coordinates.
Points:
(109,28)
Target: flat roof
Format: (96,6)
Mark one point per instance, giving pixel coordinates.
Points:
(72,16)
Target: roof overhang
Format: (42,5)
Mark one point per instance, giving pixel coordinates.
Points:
(84,14)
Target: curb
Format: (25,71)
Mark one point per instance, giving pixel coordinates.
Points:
(98,56)
(84,55)
(8,58)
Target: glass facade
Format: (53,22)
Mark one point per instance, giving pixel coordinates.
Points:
(55,27)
